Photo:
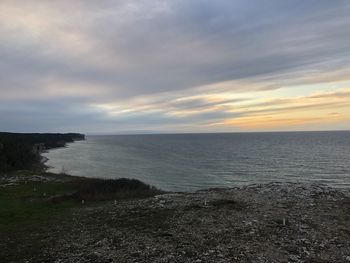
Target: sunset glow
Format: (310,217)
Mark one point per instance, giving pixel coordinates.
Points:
(174,66)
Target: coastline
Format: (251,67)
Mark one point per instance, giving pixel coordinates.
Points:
(271,222)
(22,151)
(179,165)
(44,159)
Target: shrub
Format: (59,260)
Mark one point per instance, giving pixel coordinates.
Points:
(107,189)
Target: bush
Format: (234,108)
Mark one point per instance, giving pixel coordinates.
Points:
(107,189)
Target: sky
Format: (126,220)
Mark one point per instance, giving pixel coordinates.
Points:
(169,66)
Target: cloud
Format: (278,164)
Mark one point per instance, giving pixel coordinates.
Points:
(167,62)
(296,113)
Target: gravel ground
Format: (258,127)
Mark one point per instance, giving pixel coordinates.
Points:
(257,223)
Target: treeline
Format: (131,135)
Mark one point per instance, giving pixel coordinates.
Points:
(22,150)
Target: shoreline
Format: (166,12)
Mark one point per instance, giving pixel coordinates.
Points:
(188,177)
(21,151)
(268,222)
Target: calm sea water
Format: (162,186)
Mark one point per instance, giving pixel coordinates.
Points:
(187,162)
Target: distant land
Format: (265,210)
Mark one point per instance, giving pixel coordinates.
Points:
(22,150)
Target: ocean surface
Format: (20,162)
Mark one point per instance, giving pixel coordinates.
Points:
(188,162)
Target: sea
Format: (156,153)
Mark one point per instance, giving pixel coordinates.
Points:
(189,162)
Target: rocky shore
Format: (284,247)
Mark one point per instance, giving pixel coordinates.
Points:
(276,222)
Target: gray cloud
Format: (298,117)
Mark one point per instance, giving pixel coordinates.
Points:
(119,50)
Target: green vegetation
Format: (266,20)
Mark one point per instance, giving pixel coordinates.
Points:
(35,201)
(99,189)
(26,203)
(22,151)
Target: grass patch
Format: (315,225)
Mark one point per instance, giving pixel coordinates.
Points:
(28,202)
(35,201)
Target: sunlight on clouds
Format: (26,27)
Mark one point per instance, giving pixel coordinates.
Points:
(251,111)
(326,108)
(291,121)
(176,65)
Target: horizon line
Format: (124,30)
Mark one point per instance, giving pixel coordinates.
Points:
(194,133)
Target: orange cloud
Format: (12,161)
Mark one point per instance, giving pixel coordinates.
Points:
(325,108)
(269,122)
